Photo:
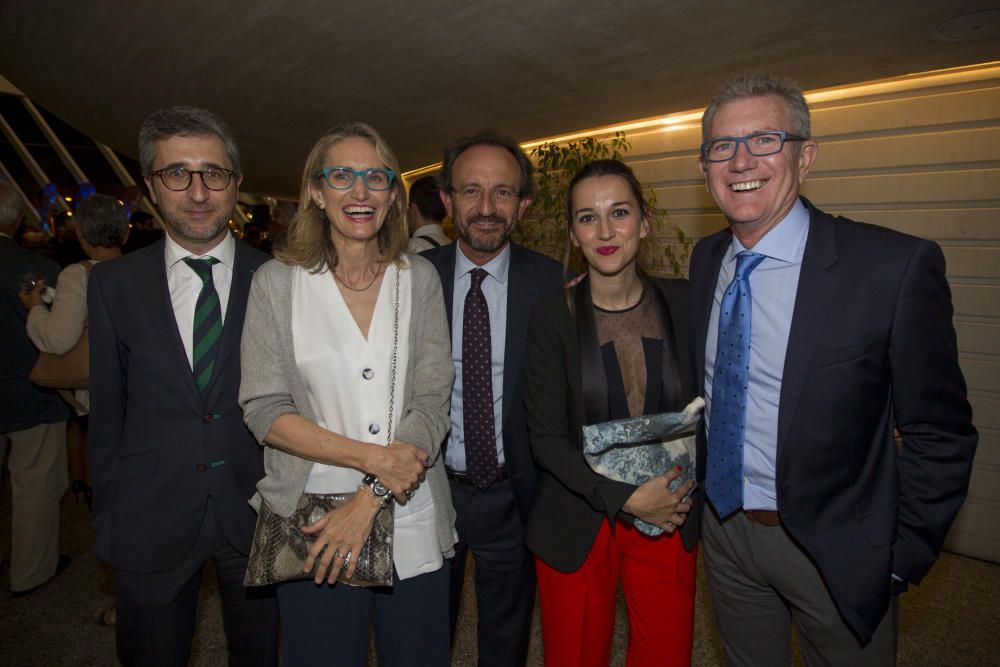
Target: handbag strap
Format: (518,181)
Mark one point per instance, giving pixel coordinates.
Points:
(395,356)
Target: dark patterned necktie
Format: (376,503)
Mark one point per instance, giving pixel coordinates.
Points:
(477,387)
(724,474)
(207,322)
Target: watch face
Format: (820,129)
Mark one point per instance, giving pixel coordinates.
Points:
(380,489)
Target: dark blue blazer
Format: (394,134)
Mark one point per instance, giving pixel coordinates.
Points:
(532,275)
(158,447)
(23,405)
(871,347)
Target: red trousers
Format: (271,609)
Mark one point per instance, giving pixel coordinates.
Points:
(578,608)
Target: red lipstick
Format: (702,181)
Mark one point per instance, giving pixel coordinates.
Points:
(607,250)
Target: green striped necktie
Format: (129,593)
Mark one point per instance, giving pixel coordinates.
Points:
(207,322)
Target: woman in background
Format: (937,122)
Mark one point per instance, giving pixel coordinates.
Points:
(614,346)
(102,229)
(346,341)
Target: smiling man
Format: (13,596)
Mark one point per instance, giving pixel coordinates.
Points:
(490,285)
(817,337)
(173,463)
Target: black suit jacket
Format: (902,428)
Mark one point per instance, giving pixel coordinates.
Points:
(531,276)
(158,448)
(566,390)
(871,346)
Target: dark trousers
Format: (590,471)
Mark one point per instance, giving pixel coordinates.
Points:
(328,625)
(490,527)
(156,611)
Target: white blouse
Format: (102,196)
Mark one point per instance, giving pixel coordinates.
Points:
(347,378)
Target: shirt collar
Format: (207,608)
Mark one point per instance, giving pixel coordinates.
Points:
(225,251)
(496,267)
(785,241)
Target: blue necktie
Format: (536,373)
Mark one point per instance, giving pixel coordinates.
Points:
(724,474)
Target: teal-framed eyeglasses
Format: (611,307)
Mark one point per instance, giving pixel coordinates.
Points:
(343,178)
(757,144)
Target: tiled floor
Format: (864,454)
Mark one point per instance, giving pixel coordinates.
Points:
(953,619)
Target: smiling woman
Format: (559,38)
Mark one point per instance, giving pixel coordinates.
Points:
(612,347)
(346,377)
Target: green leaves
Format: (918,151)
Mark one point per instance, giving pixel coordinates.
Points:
(545,230)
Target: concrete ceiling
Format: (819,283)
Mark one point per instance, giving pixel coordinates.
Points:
(426,71)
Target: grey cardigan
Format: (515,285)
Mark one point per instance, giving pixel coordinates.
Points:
(271,386)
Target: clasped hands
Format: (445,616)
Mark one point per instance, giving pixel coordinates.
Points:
(341,533)
(656,504)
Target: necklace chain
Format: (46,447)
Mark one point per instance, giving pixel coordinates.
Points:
(359,289)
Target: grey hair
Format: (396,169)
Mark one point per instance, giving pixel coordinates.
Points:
(761,84)
(11,205)
(102,221)
(185,122)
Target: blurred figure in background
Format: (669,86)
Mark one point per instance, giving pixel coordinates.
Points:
(425,215)
(32,420)
(102,228)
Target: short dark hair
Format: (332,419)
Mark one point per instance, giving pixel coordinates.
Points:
(490,138)
(761,84)
(424,192)
(185,122)
(102,221)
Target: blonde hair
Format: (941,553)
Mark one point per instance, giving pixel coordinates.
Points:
(307,243)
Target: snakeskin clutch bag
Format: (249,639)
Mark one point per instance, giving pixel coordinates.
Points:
(280,547)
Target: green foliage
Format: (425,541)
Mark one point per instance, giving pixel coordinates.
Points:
(545,228)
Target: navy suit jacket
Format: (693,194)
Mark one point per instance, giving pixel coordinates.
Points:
(158,447)
(871,347)
(532,275)
(24,405)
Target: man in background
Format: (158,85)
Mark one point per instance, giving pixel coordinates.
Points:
(32,420)
(425,215)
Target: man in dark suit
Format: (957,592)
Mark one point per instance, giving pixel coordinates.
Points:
(817,518)
(173,463)
(32,420)
(490,285)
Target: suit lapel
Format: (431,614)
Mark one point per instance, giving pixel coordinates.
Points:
(232,329)
(703,293)
(521,292)
(817,287)
(153,285)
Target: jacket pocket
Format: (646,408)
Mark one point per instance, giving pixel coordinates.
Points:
(879,525)
(135,466)
(839,355)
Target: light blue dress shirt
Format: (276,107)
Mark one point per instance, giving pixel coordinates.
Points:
(494,288)
(773,286)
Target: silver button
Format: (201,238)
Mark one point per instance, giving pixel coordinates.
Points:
(368,374)
(374,429)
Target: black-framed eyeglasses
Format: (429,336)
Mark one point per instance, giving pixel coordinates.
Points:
(757,144)
(178,179)
(343,178)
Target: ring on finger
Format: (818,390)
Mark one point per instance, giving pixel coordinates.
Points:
(408,493)
(671,524)
(337,554)
(347,558)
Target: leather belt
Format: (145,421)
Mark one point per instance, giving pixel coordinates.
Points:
(464,480)
(769,518)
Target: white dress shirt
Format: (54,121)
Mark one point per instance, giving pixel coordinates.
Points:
(185,285)
(494,288)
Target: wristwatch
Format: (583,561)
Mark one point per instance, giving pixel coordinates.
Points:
(380,490)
